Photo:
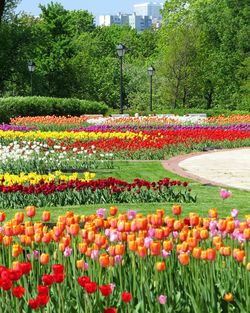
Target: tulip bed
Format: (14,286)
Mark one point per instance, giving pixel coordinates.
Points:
(112,262)
(127,262)
(61,190)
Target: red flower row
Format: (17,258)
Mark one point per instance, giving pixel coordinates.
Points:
(112,184)
(159,139)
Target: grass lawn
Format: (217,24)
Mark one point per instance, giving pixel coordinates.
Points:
(207,196)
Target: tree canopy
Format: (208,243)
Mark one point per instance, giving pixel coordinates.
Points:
(201,55)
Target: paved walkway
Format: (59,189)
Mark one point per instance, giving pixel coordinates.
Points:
(229,168)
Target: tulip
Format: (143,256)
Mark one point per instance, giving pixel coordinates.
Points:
(176,209)
(224,194)
(183,258)
(104,260)
(160,266)
(30,211)
(2,217)
(19,216)
(162,299)
(46,216)
(228,297)
(44,258)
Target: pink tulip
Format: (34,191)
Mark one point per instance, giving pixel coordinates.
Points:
(224,194)
(234,213)
(162,299)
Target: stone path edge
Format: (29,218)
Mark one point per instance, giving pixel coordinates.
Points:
(172,165)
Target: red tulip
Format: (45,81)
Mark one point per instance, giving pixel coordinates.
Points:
(90,287)
(18,291)
(126,297)
(105,290)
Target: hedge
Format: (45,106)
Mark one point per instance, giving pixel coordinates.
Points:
(38,106)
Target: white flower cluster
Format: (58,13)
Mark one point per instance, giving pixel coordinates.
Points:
(28,156)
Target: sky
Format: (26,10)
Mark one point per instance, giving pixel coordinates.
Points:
(96,7)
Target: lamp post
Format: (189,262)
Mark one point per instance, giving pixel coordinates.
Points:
(121,49)
(31,68)
(151,71)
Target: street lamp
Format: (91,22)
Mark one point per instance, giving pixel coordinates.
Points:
(121,49)
(151,71)
(31,68)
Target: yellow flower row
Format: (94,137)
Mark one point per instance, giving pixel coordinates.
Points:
(31,135)
(34,178)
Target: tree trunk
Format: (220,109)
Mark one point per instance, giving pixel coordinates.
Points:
(2,5)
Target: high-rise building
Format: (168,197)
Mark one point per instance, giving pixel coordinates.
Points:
(140,23)
(151,9)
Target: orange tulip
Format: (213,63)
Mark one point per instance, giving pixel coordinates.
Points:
(230,226)
(168,245)
(159,233)
(132,245)
(155,247)
(16,250)
(211,254)
(194,219)
(169,221)
(248,266)
(246,233)
(46,216)
(204,234)
(80,264)
(16,265)
(176,209)
(228,297)
(74,229)
(160,212)
(119,249)
(47,237)
(160,266)
(140,241)
(100,239)
(184,258)
(196,252)
(222,224)
(239,255)
(142,251)
(30,211)
(2,217)
(141,223)
(7,240)
(131,237)
(29,231)
(225,251)
(19,216)
(44,258)
(113,210)
(213,213)
(104,260)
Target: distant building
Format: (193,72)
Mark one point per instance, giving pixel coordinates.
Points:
(145,16)
(140,23)
(151,9)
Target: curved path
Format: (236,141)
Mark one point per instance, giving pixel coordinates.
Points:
(229,168)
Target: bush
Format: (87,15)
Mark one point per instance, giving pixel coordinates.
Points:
(40,106)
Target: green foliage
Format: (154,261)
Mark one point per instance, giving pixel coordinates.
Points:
(38,106)
(201,56)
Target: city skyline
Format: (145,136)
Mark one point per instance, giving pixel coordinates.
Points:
(96,7)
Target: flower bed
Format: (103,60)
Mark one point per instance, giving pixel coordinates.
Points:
(53,190)
(125,263)
(26,156)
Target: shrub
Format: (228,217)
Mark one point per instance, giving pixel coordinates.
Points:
(35,106)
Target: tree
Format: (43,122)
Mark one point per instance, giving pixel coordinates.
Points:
(6,8)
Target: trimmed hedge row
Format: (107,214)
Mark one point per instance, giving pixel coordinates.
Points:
(38,106)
